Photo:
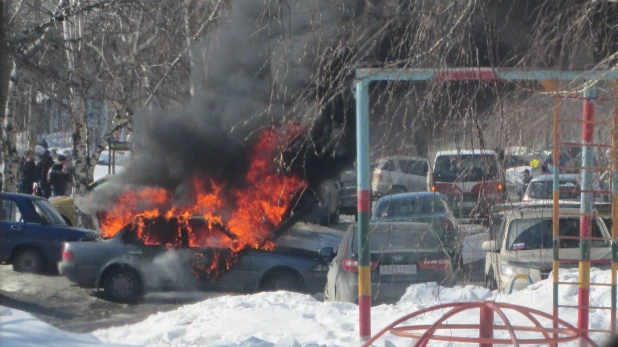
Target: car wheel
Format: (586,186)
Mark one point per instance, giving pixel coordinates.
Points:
(457,261)
(282,280)
(490,281)
(122,285)
(29,260)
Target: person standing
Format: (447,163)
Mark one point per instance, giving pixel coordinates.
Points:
(42,169)
(26,174)
(68,165)
(57,177)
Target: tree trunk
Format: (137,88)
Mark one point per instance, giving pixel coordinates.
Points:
(81,177)
(79,117)
(9,136)
(5,64)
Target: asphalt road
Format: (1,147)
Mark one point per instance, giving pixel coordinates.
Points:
(53,299)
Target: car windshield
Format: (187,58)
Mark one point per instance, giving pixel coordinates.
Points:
(567,190)
(398,236)
(48,212)
(401,208)
(465,168)
(536,233)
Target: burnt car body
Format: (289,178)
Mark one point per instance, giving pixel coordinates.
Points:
(125,267)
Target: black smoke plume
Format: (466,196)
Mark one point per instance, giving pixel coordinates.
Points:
(270,62)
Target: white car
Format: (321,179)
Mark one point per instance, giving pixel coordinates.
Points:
(522,252)
(399,174)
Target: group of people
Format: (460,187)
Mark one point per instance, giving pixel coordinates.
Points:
(46,177)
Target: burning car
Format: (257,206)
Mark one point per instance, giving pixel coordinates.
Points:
(154,254)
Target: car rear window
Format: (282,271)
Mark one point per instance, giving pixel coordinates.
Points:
(536,233)
(543,190)
(398,236)
(465,168)
(409,207)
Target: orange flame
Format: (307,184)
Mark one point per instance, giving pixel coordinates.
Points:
(249,211)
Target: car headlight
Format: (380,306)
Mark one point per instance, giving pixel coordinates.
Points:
(320,268)
(512,270)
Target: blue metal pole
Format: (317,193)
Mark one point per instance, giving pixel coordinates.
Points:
(364,206)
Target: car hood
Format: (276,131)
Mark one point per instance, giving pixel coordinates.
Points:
(409,218)
(542,258)
(63,200)
(89,234)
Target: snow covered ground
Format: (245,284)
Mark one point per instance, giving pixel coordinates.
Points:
(287,319)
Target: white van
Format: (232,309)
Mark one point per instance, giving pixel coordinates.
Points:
(471,180)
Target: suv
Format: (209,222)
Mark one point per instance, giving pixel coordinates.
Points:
(471,180)
(399,174)
(522,252)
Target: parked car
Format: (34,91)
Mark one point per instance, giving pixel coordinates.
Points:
(348,191)
(424,207)
(402,253)
(471,180)
(65,204)
(541,188)
(32,233)
(125,267)
(522,251)
(399,174)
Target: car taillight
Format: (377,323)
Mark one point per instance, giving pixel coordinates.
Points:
(67,255)
(434,264)
(351,265)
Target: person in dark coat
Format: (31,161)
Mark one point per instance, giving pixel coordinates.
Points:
(42,169)
(27,174)
(44,143)
(58,177)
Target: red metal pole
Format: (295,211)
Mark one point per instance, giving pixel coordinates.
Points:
(585,224)
(486,325)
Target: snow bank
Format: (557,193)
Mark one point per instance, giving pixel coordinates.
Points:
(288,319)
(18,328)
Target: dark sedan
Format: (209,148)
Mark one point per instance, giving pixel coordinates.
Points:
(402,253)
(423,207)
(32,233)
(125,267)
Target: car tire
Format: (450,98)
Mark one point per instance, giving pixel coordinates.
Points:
(282,280)
(122,285)
(457,261)
(29,260)
(490,281)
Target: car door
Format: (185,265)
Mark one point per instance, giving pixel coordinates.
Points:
(418,174)
(12,227)
(404,178)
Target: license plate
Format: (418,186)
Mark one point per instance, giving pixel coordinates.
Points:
(398,270)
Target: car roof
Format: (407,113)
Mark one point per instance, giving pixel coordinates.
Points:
(398,157)
(402,196)
(564,177)
(465,152)
(20,196)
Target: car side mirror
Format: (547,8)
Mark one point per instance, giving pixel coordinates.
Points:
(490,246)
(327,253)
